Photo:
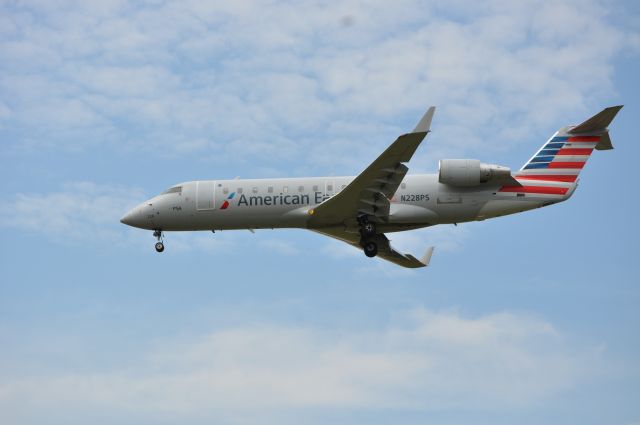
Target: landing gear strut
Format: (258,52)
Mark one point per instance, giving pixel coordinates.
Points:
(159,244)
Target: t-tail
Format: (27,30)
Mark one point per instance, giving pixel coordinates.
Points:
(555,168)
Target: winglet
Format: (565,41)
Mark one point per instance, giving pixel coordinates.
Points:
(422,262)
(424,125)
(426,258)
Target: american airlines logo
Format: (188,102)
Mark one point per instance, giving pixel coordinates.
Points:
(225,204)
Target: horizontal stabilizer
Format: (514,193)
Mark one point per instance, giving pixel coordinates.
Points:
(598,122)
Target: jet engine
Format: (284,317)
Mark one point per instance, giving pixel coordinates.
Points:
(470,172)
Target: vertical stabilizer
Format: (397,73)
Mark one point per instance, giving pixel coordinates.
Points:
(564,155)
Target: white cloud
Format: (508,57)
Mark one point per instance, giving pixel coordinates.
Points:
(423,360)
(190,77)
(80,211)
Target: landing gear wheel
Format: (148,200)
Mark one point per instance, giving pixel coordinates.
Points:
(370,249)
(368,229)
(159,245)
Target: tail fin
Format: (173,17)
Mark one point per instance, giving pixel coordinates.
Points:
(564,155)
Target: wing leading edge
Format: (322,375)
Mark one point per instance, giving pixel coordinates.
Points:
(370,193)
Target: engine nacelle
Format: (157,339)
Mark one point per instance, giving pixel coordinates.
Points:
(470,172)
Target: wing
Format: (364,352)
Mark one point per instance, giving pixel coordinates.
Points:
(385,250)
(370,192)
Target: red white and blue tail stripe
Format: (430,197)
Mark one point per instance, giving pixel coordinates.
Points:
(560,159)
(554,169)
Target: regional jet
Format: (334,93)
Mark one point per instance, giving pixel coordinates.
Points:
(362,210)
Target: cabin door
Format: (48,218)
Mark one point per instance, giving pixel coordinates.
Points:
(205,195)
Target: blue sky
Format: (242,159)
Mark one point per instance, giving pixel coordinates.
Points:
(530,319)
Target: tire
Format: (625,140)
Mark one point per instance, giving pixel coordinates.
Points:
(370,249)
(159,247)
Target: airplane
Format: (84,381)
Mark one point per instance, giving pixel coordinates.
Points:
(382,199)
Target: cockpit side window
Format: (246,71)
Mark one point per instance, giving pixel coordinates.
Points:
(175,189)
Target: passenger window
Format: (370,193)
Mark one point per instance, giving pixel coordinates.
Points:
(270,189)
(239,190)
(403,186)
(315,187)
(329,187)
(285,189)
(300,188)
(225,190)
(254,190)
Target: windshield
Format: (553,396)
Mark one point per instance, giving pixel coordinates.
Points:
(175,189)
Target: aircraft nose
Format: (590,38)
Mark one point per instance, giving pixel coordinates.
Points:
(128,218)
(133,218)
(140,216)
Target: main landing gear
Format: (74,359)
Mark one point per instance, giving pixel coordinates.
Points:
(368,232)
(370,249)
(159,244)
(368,229)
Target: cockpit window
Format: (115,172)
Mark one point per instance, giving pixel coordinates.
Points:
(175,189)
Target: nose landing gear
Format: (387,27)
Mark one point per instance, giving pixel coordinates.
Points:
(159,244)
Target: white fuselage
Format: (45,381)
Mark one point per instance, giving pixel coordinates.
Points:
(420,201)
(383,197)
